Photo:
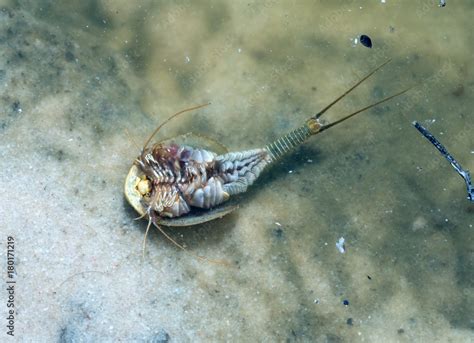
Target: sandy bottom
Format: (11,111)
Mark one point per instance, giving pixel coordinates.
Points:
(74,78)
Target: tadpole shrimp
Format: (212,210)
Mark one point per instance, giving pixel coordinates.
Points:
(189,179)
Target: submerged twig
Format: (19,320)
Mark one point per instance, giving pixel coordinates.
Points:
(464,173)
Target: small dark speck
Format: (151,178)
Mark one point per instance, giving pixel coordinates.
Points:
(365,41)
(161,337)
(314,88)
(20,54)
(442,3)
(345,302)
(459,90)
(391,29)
(16,106)
(69,56)
(278,232)
(400,331)
(368,277)
(350,321)
(59,155)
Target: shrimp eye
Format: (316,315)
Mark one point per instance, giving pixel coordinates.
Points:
(144,186)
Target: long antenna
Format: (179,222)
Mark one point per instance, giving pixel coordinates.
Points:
(350,90)
(327,126)
(169,119)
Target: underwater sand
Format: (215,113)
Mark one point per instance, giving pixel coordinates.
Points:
(75,75)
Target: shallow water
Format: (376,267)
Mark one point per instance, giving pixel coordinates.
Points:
(75,75)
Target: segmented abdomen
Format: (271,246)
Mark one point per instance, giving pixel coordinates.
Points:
(184,177)
(238,170)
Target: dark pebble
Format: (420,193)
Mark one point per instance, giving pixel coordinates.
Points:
(345,302)
(350,321)
(365,41)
